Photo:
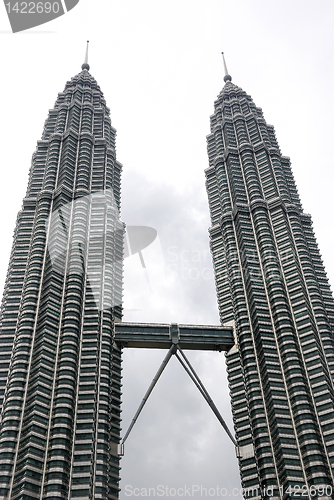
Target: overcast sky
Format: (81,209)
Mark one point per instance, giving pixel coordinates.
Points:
(159,66)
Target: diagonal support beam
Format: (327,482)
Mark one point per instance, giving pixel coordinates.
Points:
(197,381)
(163,365)
(194,377)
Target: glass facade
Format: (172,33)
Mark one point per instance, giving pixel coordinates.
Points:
(60,369)
(271,281)
(60,372)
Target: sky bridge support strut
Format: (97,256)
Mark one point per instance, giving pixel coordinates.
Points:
(174,349)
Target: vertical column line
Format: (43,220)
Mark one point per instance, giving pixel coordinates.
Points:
(35,324)
(101,308)
(274,331)
(300,347)
(253,342)
(81,325)
(68,250)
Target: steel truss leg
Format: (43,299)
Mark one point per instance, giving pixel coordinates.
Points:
(197,381)
(163,365)
(194,377)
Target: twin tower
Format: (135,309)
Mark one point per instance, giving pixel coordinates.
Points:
(60,356)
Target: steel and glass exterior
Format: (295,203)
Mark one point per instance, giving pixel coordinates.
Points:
(60,367)
(271,281)
(60,370)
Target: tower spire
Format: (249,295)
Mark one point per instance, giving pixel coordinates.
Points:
(227,77)
(85,64)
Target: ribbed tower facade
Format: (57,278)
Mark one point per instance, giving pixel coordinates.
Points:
(59,368)
(271,281)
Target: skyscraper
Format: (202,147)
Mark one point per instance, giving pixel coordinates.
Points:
(61,333)
(60,370)
(270,279)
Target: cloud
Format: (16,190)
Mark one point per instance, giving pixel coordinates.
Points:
(177,439)
(178,283)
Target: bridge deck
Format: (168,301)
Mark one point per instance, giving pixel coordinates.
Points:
(162,336)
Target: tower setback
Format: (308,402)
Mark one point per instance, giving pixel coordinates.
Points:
(60,370)
(270,279)
(61,333)
(60,359)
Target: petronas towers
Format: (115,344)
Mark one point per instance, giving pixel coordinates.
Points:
(271,281)
(60,370)
(60,367)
